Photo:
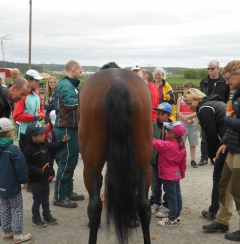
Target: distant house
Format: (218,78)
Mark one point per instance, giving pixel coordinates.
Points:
(5,72)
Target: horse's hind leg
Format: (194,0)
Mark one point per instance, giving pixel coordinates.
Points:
(144,210)
(94,207)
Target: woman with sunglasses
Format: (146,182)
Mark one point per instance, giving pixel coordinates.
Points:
(211,113)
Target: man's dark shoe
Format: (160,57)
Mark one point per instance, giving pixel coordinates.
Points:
(202,162)
(214,227)
(234,236)
(50,220)
(194,164)
(65,203)
(75,197)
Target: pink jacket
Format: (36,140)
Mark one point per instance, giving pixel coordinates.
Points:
(171,159)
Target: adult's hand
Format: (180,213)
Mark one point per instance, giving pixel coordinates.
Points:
(221,149)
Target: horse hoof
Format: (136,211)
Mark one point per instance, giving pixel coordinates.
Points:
(134,223)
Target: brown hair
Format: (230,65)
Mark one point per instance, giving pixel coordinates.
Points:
(20,82)
(48,89)
(149,75)
(188,84)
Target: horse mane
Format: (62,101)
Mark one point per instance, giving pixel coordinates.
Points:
(110,65)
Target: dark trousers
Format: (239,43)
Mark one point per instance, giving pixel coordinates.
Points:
(52,157)
(204,149)
(23,142)
(40,193)
(217,172)
(156,186)
(173,192)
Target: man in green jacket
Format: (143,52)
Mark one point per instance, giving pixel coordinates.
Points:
(66,103)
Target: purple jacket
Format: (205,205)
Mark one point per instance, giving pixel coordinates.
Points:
(171,159)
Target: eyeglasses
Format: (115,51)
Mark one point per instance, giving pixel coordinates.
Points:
(211,68)
(227,78)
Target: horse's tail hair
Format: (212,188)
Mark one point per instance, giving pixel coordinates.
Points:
(122,172)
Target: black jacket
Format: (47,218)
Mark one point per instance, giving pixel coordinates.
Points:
(232,136)
(211,112)
(221,88)
(5,105)
(37,155)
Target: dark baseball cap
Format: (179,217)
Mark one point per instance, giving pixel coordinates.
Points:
(35,129)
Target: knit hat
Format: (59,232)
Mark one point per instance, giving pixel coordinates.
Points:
(6,125)
(166,107)
(177,127)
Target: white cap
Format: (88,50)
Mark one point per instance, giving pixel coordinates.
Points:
(136,66)
(5,125)
(33,74)
(52,116)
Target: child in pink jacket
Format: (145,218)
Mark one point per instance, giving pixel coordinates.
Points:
(171,168)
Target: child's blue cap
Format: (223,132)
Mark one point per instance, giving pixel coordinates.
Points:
(166,107)
(35,129)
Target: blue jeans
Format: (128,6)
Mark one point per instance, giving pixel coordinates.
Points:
(217,171)
(173,192)
(40,193)
(156,185)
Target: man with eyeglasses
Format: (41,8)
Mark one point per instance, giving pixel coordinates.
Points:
(30,109)
(214,83)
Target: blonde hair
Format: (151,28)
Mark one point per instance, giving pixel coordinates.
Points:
(2,82)
(70,64)
(160,70)
(232,67)
(193,94)
(48,89)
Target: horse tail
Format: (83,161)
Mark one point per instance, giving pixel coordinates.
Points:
(122,172)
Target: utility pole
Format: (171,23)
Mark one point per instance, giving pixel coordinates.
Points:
(4,38)
(30,35)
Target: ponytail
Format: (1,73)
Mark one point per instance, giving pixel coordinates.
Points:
(180,141)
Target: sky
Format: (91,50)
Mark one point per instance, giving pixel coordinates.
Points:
(172,33)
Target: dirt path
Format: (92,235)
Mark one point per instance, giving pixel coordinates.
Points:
(72,223)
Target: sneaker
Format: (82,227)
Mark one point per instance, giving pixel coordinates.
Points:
(194,164)
(178,220)
(50,220)
(168,223)
(75,197)
(65,203)
(21,238)
(154,208)
(162,212)
(202,162)
(39,223)
(208,215)
(6,236)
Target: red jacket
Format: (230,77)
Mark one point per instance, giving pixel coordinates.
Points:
(155,98)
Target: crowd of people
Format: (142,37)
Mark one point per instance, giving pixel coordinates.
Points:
(47,131)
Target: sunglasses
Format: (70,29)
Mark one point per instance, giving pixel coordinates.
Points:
(211,68)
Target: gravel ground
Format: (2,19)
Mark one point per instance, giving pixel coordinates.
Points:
(72,223)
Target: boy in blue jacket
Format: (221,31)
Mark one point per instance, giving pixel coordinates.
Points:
(13,173)
(37,158)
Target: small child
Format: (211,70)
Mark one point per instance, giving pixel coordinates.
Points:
(164,111)
(172,167)
(13,173)
(37,158)
(189,120)
(51,137)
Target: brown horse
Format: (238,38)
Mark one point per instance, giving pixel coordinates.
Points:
(115,127)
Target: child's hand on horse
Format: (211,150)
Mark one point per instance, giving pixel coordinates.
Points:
(66,138)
